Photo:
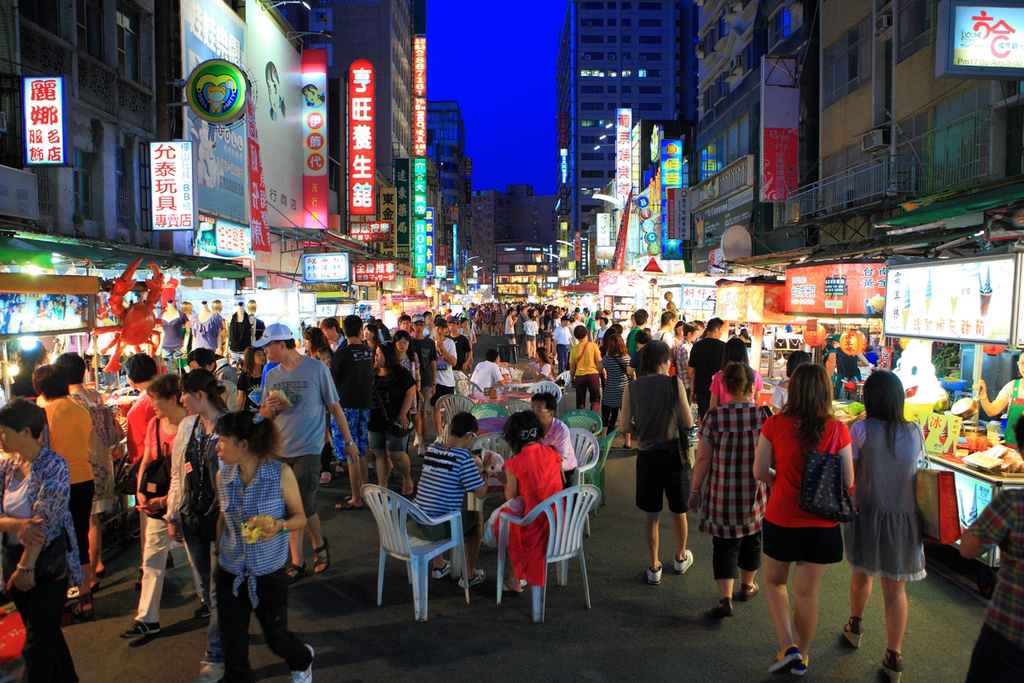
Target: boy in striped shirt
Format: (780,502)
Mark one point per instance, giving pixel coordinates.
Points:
(449,472)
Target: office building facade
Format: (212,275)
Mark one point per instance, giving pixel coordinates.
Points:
(446,148)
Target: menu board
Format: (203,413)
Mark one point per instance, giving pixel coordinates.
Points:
(25,313)
(962,301)
(699,298)
(325,268)
(941,433)
(839,289)
(752,303)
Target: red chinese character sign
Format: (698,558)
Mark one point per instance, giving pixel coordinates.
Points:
(45,124)
(361,111)
(257,185)
(379,231)
(623,154)
(314,139)
(419,100)
(780,114)
(365,272)
(980,39)
(419,66)
(172,191)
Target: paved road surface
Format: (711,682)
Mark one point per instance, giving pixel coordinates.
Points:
(634,632)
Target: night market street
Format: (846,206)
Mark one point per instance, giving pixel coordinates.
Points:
(634,632)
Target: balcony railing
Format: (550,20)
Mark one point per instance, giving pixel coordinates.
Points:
(957,155)
(856,186)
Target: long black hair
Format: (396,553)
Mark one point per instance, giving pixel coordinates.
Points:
(204,381)
(883,400)
(522,429)
(403,335)
(735,351)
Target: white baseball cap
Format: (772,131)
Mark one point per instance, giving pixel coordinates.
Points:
(274,333)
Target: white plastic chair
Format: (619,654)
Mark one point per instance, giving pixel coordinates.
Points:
(463,387)
(487,442)
(459,375)
(515,405)
(562,379)
(588,454)
(391,511)
(546,387)
(451,405)
(567,512)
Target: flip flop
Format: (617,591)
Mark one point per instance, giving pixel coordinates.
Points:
(347,505)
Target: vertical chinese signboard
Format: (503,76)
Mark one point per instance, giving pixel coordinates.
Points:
(45,109)
(403,209)
(257,185)
(388,211)
(429,221)
(780,116)
(419,211)
(172,192)
(419,100)
(623,154)
(314,141)
(361,169)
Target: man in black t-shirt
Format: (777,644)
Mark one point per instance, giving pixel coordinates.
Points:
(427,350)
(463,349)
(352,370)
(705,361)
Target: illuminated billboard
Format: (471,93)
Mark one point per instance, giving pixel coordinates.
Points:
(172,192)
(314,141)
(623,154)
(45,120)
(361,169)
(980,39)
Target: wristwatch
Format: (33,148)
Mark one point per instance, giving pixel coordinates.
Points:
(350,443)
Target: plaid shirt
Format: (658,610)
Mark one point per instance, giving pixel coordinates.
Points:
(681,357)
(239,504)
(735,502)
(1002,524)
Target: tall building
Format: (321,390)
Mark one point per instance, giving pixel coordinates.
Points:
(516,215)
(446,147)
(533,216)
(613,55)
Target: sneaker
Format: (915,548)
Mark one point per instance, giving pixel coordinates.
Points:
(683,565)
(439,441)
(654,576)
(203,612)
(141,628)
(785,658)
(325,477)
(800,668)
(210,672)
(478,577)
(416,440)
(442,572)
(422,450)
(307,675)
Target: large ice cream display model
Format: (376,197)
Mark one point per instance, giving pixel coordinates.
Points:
(917,374)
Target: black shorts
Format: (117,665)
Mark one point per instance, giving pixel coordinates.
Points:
(439,391)
(662,473)
(814,544)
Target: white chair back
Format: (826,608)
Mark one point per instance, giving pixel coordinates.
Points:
(463,387)
(451,405)
(546,388)
(563,379)
(459,375)
(588,452)
(515,405)
(391,511)
(493,442)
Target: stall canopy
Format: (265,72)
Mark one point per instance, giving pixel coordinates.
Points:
(580,288)
(959,205)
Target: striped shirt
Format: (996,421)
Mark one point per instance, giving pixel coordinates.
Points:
(1002,524)
(615,381)
(448,473)
(239,504)
(681,357)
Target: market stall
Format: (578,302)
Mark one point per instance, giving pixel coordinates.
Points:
(969,302)
(621,293)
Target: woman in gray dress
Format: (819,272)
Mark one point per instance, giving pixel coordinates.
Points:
(885,538)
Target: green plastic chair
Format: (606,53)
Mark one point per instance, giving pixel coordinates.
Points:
(583,419)
(596,475)
(481,410)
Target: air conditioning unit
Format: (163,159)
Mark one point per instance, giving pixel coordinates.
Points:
(875,140)
(585,56)
(701,49)
(883,22)
(643,58)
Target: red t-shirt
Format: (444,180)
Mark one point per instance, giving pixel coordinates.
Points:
(139,416)
(783,508)
(166,438)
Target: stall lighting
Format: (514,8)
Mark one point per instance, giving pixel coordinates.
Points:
(29,342)
(12,369)
(33,269)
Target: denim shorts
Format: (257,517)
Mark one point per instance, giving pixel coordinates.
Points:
(395,444)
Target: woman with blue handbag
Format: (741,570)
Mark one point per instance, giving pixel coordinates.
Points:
(802,431)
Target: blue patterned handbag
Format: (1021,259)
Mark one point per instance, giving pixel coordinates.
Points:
(822,491)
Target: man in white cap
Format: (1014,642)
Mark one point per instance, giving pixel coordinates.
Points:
(310,391)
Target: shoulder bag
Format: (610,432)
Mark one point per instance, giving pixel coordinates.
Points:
(52,561)
(687,445)
(156,478)
(395,427)
(822,490)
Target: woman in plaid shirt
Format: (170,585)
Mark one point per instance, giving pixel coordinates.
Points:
(733,509)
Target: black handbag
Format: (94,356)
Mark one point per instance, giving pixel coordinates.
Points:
(126,476)
(686,434)
(395,427)
(200,507)
(52,562)
(822,490)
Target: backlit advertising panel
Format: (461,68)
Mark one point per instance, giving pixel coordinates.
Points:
(315,196)
(837,289)
(45,124)
(172,191)
(960,301)
(257,185)
(429,220)
(222,239)
(365,272)
(623,154)
(780,116)
(325,267)
(361,171)
(672,164)
(378,231)
(419,100)
(980,39)
(403,210)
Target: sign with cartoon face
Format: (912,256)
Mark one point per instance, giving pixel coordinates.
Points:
(216,91)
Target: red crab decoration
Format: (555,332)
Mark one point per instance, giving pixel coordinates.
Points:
(138,321)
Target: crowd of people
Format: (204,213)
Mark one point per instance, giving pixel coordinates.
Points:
(228,456)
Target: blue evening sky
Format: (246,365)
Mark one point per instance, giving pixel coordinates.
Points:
(498,60)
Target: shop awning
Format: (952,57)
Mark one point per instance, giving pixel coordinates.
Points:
(960,204)
(580,288)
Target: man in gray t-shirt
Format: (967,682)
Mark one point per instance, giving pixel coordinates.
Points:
(307,385)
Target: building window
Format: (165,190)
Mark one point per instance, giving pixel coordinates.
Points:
(592,156)
(916,19)
(751,56)
(650,56)
(594,73)
(592,106)
(722,87)
(593,5)
(90,27)
(123,163)
(847,63)
(650,23)
(591,39)
(587,123)
(650,6)
(650,40)
(591,174)
(590,23)
(611,89)
(589,139)
(650,106)
(650,89)
(83,183)
(626,73)
(593,89)
(626,23)
(45,13)
(627,56)
(781,27)
(128,44)
(627,90)
(611,22)
(627,40)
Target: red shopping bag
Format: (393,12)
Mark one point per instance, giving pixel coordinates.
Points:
(936,498)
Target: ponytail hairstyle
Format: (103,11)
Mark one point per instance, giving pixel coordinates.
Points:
(522,429)
(204,381)
(261,435)
(738,379)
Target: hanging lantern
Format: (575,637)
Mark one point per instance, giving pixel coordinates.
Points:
(853,342)
(993,350)
(815,337)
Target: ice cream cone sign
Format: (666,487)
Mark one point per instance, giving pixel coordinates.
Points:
(903,342)
(852,342)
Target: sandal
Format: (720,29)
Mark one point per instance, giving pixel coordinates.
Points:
(80,616)
(892,663)
(347,505)
(853,631)
(320,566)
(295,572)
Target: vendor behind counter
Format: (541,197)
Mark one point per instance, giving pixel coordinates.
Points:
(1010,398)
